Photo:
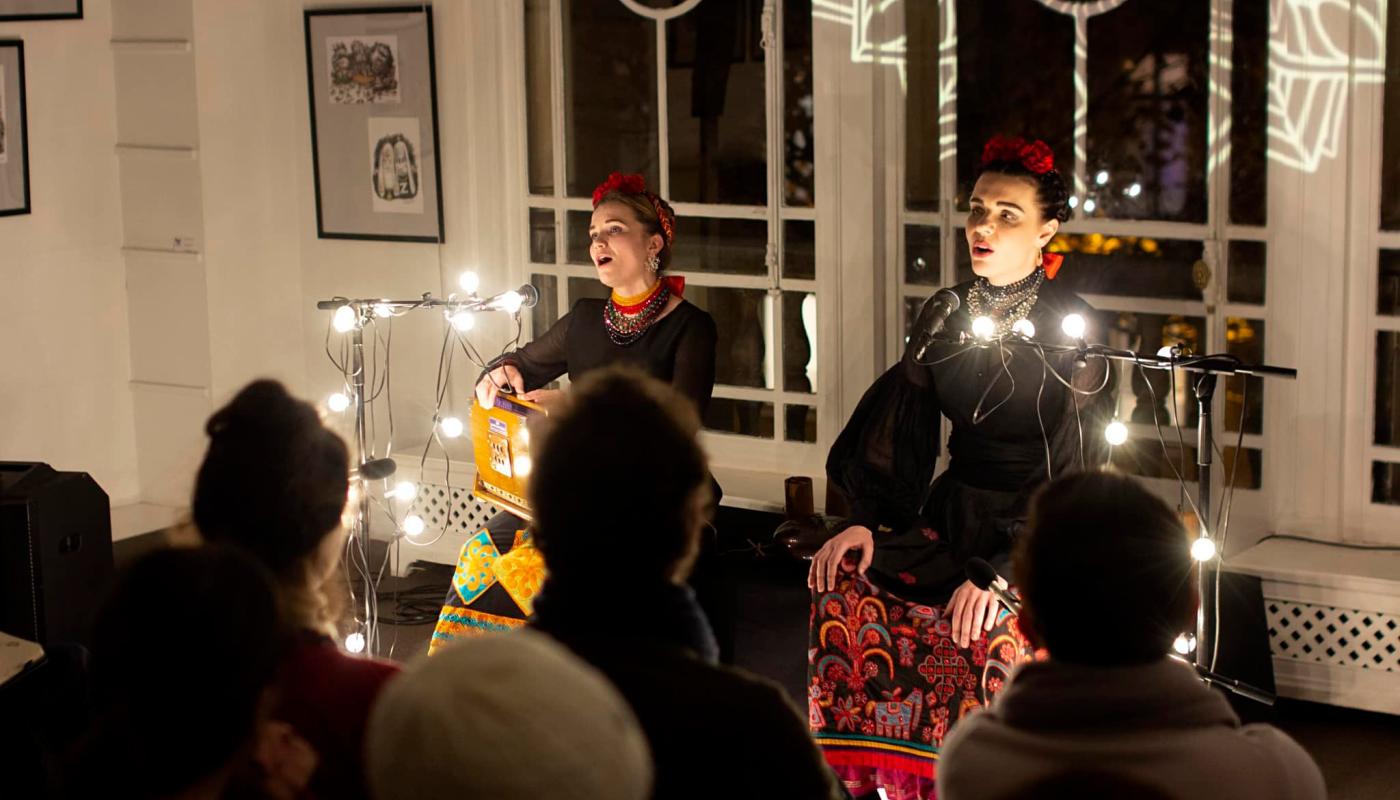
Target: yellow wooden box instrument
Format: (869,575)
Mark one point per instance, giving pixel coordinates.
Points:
(501,444)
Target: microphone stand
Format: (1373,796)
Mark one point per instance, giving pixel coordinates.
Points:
(1210,368)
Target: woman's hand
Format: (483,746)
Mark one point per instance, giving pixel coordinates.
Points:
(972,611)
(490,384)
(543,397)
(826,564)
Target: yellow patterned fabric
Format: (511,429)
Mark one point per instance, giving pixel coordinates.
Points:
(522,573)
(475,567)
(463,623)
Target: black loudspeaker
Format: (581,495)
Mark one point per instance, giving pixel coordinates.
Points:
(55,551)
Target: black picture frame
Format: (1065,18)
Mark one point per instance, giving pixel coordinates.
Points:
(352,199)
(36,10)
(14,110)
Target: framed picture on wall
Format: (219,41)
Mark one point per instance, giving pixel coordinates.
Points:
(374,131)
(26,10)
(14,131)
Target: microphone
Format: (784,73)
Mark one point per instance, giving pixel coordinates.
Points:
(984,577)
(377,469)
(512,301)
(931,318)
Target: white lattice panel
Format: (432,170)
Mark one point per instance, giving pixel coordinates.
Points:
(1336,636)
(456,506)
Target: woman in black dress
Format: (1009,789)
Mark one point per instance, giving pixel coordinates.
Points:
(902,645)
(646,323)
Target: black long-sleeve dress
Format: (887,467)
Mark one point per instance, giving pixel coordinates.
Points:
(499,571)
(886,678)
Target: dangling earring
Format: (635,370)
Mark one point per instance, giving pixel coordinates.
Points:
(653,264)
(1040,257)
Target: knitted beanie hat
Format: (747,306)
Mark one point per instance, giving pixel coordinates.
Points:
(508,716)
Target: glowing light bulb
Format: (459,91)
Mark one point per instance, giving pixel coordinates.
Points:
(1089,206)
(522,465)
(1073,325)
(1203,549)
(345,319)
(1134,190)
(469,281)
(405,491)
(1116,433)
(383,310)
(338,402)
(462,320)
(1166,352)
(451,427)
(413,525)
(984,328)
(355,642)
(1025,328)
(511,302)
(1073,201)
(1184,643)
(525,436)
(1101,178)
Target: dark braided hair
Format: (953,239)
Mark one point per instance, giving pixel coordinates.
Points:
(1051,194)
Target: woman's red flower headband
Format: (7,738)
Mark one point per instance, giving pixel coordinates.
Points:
(1035,156)
(636,184)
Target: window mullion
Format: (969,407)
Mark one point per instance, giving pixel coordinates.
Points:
(663,121)
(556,102)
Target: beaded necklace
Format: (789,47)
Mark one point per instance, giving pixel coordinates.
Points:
(1005,305)
(627,318)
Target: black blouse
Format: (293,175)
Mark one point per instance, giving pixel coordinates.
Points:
(1014,424)
(679,348)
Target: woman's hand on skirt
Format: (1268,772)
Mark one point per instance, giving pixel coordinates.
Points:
(972,611)
(826,564)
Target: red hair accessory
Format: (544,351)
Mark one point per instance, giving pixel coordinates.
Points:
(636,184)
(1051,262)
(1035,156)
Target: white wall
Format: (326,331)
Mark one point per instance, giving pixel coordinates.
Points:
(63,334)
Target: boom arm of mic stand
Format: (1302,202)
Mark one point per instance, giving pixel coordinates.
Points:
(1230,684)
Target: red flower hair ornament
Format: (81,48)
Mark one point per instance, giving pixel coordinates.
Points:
(636,184)
(1035,156)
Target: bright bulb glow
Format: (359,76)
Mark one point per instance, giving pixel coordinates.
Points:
(1101,178)
(1116,433)
(355,642)
(1073,201)
(523,465)
(511,302)
(413,525)
(525,436)
(1073,325)
(344,319)
(338,402)
(1024,327)
(1184,643)
(1134,190)
(405,491)
(383,310)
(1166,352)
(451,427)
(983,328)
(462,321)
(469,281)
(1203,549)
(1089,206)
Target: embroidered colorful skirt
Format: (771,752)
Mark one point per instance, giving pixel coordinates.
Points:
(886,682)
(499,572)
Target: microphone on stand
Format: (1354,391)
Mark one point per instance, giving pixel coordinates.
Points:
(512,301)
(932,316)
(984,577)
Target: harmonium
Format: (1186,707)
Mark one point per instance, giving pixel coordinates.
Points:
(501,445)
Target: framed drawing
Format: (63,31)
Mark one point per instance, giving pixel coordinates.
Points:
(374,132)
(27,10)
(14,131)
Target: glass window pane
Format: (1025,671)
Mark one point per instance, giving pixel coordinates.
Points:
(542,236)
(921,190)
(1388,282)
(1145,457)
(1250,472)
(1249,114)
(1390,149)
(580,288)
(800,424)
(911,313)
(1385,483)
(744,318)
(1387,388)
(1143,391)
(715,105)
(609,93)
(1248,262)
(1022,86)
(1136,266)
(799,249)
(546,311)
(1147,111)
(729,246)
(799,342)
(1244,338)
(798,174)
(744,417)
(962,257)
(576,237)
(539,76)
(921,262)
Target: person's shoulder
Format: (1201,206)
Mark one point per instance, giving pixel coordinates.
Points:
(1290,762)
(320,661)
(587,304)
(1058,297)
